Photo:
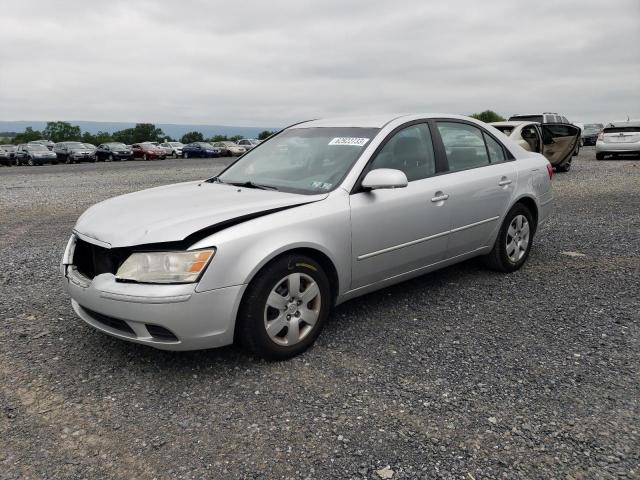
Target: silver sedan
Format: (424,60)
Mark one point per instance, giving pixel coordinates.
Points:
(320,213)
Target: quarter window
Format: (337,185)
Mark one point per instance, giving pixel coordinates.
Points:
(464,145)
(409,150)
(496,152)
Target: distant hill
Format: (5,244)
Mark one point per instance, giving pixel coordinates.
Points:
(173,130)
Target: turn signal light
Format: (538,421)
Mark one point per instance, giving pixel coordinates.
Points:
(550,171)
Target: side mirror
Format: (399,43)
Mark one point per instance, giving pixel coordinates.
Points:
(384,178)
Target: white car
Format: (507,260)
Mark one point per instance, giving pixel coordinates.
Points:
(175,148)
(248,143)
(619,138)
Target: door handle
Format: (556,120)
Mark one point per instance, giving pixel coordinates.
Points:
(505,181)
(440,197)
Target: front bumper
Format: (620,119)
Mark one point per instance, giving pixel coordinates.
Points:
(194,320)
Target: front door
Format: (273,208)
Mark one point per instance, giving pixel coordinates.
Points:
(396,231)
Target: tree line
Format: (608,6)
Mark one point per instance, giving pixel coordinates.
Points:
(148,132)
(142,132)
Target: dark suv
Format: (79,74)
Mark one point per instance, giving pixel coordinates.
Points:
(7,153)
(34,154)
(113,151)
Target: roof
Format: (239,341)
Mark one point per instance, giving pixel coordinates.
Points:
(373,121)
(364,121)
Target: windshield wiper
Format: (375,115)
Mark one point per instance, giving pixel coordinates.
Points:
(250,184)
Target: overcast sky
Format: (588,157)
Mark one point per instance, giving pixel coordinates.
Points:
(272,63)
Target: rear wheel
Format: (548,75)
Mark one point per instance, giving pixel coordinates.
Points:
(514,241)
(111,157)
(30,162)
(284,308)
(185,154)
(564,168)
(599,156)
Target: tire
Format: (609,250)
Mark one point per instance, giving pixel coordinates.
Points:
(499,258)
(267,302)
(30,162)
(577,150)
(564,168)
(185,155)
(110,158)
(67,159)
(145,157)
(599,156)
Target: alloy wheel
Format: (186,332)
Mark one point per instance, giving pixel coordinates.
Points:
(518,235)
(292,309)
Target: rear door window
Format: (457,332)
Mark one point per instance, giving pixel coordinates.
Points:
(464,145)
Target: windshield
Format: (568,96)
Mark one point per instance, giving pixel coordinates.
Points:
(592,128)
(37,147)
(121,146)
(75,145)
(301,160)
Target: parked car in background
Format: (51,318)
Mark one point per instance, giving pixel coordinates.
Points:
(108,152)
(175,148)
(148,151)
(73,152)
(229,149)
(619,138)
(168,151)
(546,117)
(590,133)
(248,143)
(556,141)
(200,150)
(47,143)
(7,155)
(34,154)
(260,253)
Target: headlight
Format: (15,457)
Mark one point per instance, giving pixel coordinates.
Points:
(165,267)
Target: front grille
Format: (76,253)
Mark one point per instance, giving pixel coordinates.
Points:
(114,323)
(92,260)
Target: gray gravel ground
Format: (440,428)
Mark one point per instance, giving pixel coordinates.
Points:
(463,373)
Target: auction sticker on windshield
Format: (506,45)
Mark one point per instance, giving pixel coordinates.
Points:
(357,142)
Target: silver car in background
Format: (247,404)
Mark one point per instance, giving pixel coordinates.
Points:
(619,138)
(322,212)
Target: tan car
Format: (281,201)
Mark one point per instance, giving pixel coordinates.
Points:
(556,141)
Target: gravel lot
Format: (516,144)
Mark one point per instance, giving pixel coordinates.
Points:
(463,373)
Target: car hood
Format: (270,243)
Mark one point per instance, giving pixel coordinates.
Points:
(173,212)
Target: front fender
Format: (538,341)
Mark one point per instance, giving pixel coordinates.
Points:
(243,249)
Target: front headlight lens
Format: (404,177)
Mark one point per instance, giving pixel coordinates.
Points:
(165,267)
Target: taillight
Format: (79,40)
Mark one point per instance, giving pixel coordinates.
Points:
(550,171)
(601,136)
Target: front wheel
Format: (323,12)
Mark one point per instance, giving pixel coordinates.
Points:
(284,308)
(514,240)
(30,162)
(185,155)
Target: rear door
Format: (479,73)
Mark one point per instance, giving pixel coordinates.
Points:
(559,142)
(480,184)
